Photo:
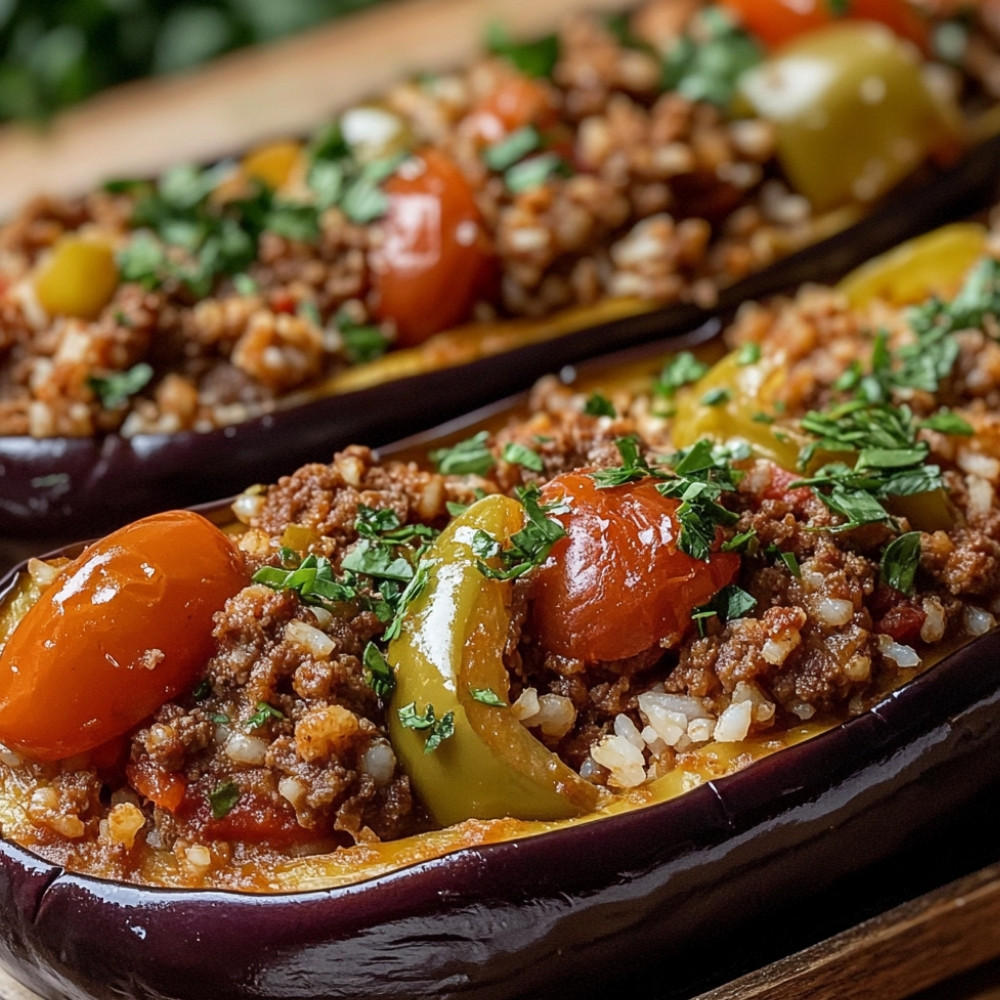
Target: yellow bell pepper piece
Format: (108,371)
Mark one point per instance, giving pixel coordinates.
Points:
(853,112)
(78,278)
(934,263)
(272,164)
(450,646)
(745,393)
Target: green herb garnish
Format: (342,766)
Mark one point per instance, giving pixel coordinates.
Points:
(263,713)
(378,672)
(223,798)
(470,457)
(438,730)
(115,390)
(900,562)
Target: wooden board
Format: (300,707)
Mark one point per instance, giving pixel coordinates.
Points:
(279,90)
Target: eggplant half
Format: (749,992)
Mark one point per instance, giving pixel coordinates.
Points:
(803,842)
(58,489)
(687,892)
(62,487)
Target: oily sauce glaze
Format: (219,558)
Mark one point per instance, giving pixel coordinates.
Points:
(678,879)
(594,182)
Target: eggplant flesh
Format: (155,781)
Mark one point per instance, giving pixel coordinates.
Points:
(808,840)
(60,489)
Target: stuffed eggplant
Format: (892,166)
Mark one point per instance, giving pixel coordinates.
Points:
(161,335)
(551,694)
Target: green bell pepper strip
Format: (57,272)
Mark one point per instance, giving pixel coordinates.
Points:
(451,643)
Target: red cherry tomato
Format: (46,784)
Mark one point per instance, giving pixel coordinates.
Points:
(435,259)
(125,627)
(777,21)
(617,584)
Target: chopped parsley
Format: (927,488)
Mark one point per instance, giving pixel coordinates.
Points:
(701,475)
(947,423)
(263,714)
(900,562)
(471,457)
(633,468)
(513,148)
(378,672)
(115,390)
(706,63)
(487,696)
(748,354)
(382,572)
(338,179)
(437,730)
(528,547)
(730,603)
(535,171)
(223,799)
(681,370)
(717,397)
(519,454)
(362,342)
(598,405)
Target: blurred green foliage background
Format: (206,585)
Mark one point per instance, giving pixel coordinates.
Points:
(56,52)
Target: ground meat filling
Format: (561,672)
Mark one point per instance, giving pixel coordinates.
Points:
(638,190)
(285,744)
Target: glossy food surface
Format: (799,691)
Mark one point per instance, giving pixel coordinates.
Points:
(618,583)
(126,626)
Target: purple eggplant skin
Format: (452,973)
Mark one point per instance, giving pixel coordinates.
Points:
(67,488)
(816,836)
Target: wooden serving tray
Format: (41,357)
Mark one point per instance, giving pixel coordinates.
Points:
(283,89)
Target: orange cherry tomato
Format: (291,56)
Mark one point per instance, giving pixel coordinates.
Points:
(515,102)
(126,626)
(617,584)
(435,260)
(775,22)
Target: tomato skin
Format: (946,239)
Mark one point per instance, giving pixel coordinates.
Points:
(775,22)
(617,585)
(126,626)
(515,102)
(435,260)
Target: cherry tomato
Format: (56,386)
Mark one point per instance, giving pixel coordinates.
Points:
(775,22)
(515,102)
(617,584)
(435,260)
(125,627)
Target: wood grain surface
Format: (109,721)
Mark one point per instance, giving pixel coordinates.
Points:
(282,89)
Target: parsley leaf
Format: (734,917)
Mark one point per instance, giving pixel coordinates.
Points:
(706,64)
(537,57)
(633,468)
(438,730)
(223,798)
(598,405)
(115,390)
(519,454)
(487,696)
(512,148)
(528,547)
(378,672)
(900,562)
(263,713)
(730,603)
(468,457)
(681,370)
